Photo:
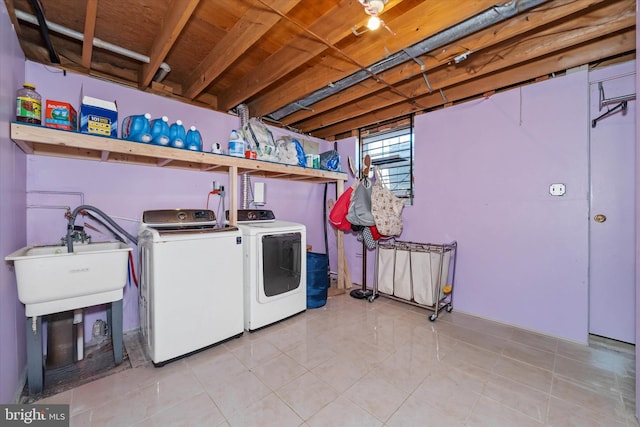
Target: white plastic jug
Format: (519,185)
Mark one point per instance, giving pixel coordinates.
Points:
(236,144)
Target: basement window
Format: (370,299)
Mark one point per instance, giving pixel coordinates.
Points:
(390,146)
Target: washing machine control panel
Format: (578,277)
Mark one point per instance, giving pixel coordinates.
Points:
(252,215)
(177,217)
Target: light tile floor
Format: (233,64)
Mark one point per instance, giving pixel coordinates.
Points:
(355,363)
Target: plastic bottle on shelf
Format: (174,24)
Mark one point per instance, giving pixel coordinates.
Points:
(194,139)
(137,128)
(177,135)
(160,131)
(28,105)
(236,144)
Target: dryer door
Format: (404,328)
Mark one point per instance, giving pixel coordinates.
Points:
(281,263)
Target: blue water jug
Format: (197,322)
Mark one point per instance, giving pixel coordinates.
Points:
(137,128)
(177,135)
(160,131)
(194,139)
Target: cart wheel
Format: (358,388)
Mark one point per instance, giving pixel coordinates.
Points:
(372,298)
(449,308)
(433,317)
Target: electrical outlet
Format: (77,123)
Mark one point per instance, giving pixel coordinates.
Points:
(557,189)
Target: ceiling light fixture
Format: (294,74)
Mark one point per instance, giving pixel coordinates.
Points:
(374,8)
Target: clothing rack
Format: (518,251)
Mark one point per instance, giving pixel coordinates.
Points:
(621,102)
(363,292)
(421,274)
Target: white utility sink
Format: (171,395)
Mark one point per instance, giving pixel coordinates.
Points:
(51,280)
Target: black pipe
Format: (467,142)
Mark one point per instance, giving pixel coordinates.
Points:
(44,31)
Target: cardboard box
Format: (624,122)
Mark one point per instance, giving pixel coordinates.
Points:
(60,115)
(98,117)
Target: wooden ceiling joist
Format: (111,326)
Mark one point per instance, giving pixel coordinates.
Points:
(89,32)
(173,22)
(238,40)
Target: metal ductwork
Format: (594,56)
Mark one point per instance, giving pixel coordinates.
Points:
(476,23)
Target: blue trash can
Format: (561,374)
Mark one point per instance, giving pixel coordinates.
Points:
(317,279)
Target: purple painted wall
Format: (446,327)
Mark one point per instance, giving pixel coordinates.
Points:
(523,254)
(125,191)
(12,215)
(482,174)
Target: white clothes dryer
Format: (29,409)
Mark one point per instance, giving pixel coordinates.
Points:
(275,268)
(191,288)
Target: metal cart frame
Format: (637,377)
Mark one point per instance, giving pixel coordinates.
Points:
(444,253)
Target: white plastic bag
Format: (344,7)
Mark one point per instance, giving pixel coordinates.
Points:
(260,137)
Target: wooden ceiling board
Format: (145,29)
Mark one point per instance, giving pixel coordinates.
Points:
(225,13)
(191,47)
(304,47)
(253,25)
(271,54)
(173,22)
(54,11)
(129,24)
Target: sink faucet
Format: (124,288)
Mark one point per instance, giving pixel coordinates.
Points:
(74,233)
(77,235)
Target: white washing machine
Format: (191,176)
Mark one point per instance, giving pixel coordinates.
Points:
(275,268)
(191,282)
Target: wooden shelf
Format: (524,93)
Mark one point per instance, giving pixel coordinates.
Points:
(40,140)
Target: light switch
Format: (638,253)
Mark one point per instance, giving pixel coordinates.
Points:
(557,189)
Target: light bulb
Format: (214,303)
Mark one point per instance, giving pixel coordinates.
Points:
(374,23)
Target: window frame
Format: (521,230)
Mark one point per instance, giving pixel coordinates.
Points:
(385,131)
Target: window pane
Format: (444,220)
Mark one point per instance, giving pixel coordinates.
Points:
(392,151)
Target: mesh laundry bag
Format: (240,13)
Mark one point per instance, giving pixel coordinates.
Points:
(402,275)
(386,260)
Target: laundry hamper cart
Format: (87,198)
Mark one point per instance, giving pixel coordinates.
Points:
(420,274)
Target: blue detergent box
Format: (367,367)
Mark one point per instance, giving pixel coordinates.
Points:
(99,117)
